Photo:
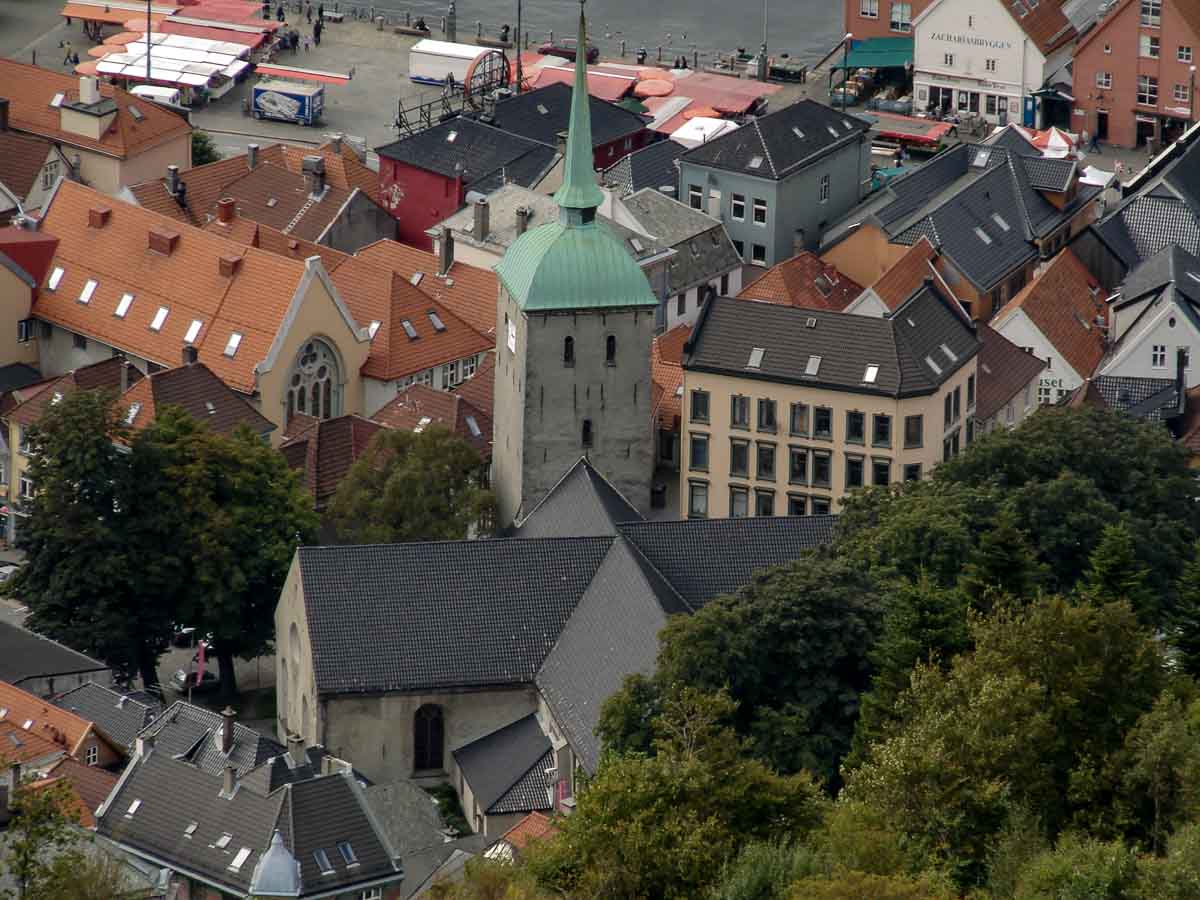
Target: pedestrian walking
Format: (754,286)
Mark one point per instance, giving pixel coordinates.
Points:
(67,53)
(320,12)
(317,29)
(308,11)
(280,14)
(307,43)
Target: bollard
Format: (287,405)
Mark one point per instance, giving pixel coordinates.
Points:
(552,37)
(478,29)
(527,40)
(695,59)
(660,54)
(379,21)
(443,24)
(622,48)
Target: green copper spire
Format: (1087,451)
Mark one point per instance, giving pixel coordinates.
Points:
(579,190)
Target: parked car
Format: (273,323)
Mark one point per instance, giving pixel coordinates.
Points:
(566,49)
(184,636)
(182,680)
(7,572)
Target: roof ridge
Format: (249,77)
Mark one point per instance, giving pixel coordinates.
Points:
(766,149)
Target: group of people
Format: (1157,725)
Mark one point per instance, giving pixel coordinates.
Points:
(291,39)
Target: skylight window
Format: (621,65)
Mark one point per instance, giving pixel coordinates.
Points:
(156,323)
(982,235)
(272,202)
(193,331)
(347,852)
(57,398)
(847,124)
(422,423)
(831,130)
(133,807)
(636,244)
(57,100)
(408,329)
(950,354)
(123,305)
(436,321)
(224,839)
(937,370)
(813,366)
(756,162)
(28,724)
(55,278)
(999,220)
(323,862)
(871,374)
(240,859)
(473,426)
(451,137)
(134,409)
(373,328)
(541,107)
(756,358)
(208,405)
(136,113)
(416,278)
(3,712)
(1193,276)
(191,829)
(89,288)
(231,346)
(797,132)
(981,158)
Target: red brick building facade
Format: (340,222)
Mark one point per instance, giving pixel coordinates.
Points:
(1134,73)
(881,18)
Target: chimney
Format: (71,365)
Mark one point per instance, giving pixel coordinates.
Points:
(229,265)
(251,155)
(479,227)
(313,168)
(227,714)
(163,241)
(226,208)
(228,781)
(89,90)
(522,220)
(173,180)
(98,216)
(190,355)
(145,743)
(445,251)
(797,242)
(561,143)
(335,142)
(3,114)
(295,749)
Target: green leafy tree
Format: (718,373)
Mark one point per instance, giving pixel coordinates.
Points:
(42,827)
(86,872)
(1002,563)
(1115,573)
(1183,622)
(412,487)
(1080,869)
(848,885)
(238,515)
(766,870)
(204,151)
(792,650)
(84,582)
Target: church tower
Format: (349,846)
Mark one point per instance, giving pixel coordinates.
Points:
(574,324)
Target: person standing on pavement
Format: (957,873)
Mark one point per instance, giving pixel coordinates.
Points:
(317,29)
(308,11)
(67,51)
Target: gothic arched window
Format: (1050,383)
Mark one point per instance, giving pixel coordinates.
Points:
(568,351)
(610,350)
(428,737)
(315,383)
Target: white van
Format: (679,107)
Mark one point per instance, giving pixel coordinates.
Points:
(166,96)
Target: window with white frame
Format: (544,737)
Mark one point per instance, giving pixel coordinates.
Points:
(695,196)
(467,367)
(1148,46)
(948,60)
(760,211)
(49,174)
(1147,90)
(92,757)
(23,440)
(371,894)
(26,487)
(737,207)
(901,17)
(1183,93)
(989,65)
(1158,356)
(1104,80)
(1152,12)
(868,9)
(824,196)
(758,255)
(1184,54)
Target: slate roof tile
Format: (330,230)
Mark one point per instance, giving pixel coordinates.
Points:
(474,150)
(193,732)
(25,655)
(522,114)
(582,504)
(1004,371)
(652,167)
(117,715)
(505,768)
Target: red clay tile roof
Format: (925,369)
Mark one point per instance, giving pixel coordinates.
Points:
(344,170)
(1004,371)
(103,375)
(47,721)
(419,406)
(325,452)
(903,279)
(533,827)
(666,374)
(470,293)
(804,281)
(188,283)
(89,786)
(21,159)
(22,746)
(479,390)
(195,388)
(29,91)
(1044,22)
(279,198)
(252,234)
(1061,303)
(31,250)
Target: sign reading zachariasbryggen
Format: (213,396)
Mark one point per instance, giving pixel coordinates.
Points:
(947,37)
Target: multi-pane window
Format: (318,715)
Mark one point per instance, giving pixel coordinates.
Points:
(766,462)
(1184,54)
(1158,356)
(26,487)
(912,472)
(739,458)
(797,505)
(881,471)
(737,207)
(855,428)
(868,9)
(699,406)
(1152,12)
(989,65)
(739,503)
(822,467)
(820,506)
(93,755)
(1044,397)
(760,211)
(1148,45)
(766,415)
(823,422)
(1183,93)
(824,195)
(1104,80)
(695,196)
(758,254)
(1147,90)
(698,455)
(854,472)
(914,428)
(798,420)
(957,403)
(739,411)
(764,503)
(948,410)
(882,433)
(23,440)
(798,465)
(901,17)
(49,174)
(970,392)
(948,60)
(697,499)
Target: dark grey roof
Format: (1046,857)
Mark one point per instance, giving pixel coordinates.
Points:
(782,142)
(915,350)
(15,376)
(1049,174)
(477,150)
(194,733)
(25,655)
(1011,139)
(1172,265)
(651,167)
(583,504)
(542,114)
(423,868)
(705,558)
(443,614)
(1004,371)
(310,815)
(117,715)
(703,251)
(612,633)
(408,815)
(1142,398)
(496,764)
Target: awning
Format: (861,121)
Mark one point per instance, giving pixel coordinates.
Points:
(876,53)
(303,74)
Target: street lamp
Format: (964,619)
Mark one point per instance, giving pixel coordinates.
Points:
(519,47)
(1192,94)
(764,69)
(147,40)
(845,66)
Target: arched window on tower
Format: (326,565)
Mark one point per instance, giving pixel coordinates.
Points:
(587,436)
(568,351)
(610,350)
(428,737)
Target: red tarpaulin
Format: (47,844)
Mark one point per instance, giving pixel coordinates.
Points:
(655,87)
(302,74)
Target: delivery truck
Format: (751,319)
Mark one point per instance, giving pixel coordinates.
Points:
(430,62)
(288,101)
